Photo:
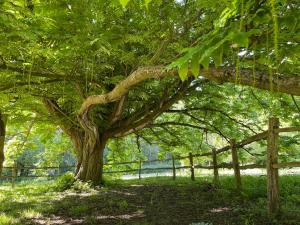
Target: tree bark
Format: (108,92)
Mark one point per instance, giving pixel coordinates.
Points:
(77,139)
(91,165)
(89,149)
(284,83)
(289,84)
(89,143)
(272,173)
(3,119)
(67,125)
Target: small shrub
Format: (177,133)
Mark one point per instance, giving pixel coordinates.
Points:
(69,182)
(65,182)
(80,186)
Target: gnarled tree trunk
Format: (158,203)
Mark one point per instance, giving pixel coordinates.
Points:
(3,119)
(89,144)
(89,148)
(91,164)
(89,154)
(77,138)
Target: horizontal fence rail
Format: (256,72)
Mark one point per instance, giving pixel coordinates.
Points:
(286,165)
(257,137)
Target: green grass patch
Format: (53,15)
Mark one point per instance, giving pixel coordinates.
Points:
(78,210)
(39,199)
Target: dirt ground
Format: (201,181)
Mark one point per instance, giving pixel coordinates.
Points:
(152,204)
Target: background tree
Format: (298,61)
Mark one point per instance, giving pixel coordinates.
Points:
(3,119)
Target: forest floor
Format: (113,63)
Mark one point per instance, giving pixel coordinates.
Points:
(160,201)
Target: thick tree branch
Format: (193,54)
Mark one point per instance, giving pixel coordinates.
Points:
(128,126)
(289,84)
(123,87)
(285,83)
(118,110)
(146,109)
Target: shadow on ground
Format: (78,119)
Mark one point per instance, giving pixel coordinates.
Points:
(148,204)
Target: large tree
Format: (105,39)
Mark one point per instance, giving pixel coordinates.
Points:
(100,69)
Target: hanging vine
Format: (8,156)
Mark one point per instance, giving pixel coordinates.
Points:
(275,35)
(86,77)
(254,64)
(237,70)
(269,63)
(237,66)
(242,15)
(31,66)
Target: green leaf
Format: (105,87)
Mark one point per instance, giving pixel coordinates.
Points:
(241,38)
(183,71)
(147,3)
(205,62)
(27,64)
(124,2)
(218,56)
(94,41)
(227,13)
(195,65)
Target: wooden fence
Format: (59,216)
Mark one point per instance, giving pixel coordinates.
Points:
(272,165)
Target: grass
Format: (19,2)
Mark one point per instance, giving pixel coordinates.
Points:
(26,200)
(78,210)
(158,200)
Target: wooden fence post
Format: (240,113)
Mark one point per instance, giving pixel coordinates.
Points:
(272,173)
(235,164)
(174,168)
(140,169)
(215,164)
(192,166)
